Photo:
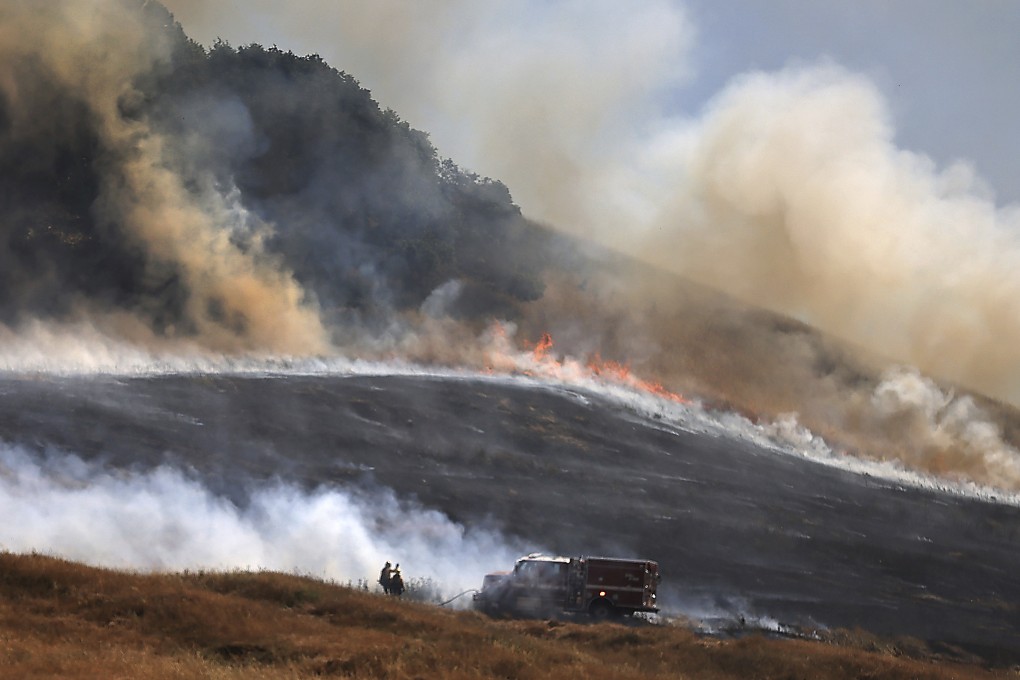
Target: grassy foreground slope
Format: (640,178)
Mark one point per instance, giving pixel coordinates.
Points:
(62,619)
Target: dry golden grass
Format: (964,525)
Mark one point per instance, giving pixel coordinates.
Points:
(61,619)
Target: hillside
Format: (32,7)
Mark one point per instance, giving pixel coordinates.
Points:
(62,619)
(160,197)
(239,296)
(455,476)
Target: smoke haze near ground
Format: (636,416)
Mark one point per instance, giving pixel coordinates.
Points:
(162,520)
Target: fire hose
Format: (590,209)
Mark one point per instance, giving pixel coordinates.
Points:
(471,590)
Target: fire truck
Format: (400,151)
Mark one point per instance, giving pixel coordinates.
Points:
(545,586)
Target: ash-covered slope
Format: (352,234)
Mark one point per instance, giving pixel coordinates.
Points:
(744,531)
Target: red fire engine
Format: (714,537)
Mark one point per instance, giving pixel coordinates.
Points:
(541,585)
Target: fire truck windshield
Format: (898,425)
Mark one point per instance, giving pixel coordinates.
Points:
(545,572)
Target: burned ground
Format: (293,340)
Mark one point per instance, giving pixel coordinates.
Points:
(740,530)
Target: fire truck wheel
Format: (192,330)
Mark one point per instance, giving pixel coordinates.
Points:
(600,610)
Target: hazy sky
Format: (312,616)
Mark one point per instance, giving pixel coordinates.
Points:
(851,164)
(946,68)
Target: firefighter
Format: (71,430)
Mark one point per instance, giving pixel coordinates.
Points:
(397,582)
(386,578)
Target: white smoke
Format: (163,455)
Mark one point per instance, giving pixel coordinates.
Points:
(950,435)
(791,193)
(935,439)
(163,520)
(440,300)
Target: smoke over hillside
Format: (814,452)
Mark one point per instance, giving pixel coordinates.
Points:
(794,197)
(787,190)
(244,200)
(93,207)
(160,199)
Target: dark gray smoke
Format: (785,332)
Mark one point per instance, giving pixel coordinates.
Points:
(238,200)
(96,219)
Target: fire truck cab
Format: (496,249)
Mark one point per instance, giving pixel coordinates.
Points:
(543,586)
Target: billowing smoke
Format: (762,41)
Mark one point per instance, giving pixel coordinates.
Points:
(70,82)
(947,435)
(787,191)
(552,98)
(164,520)
(250,201)
(791,193)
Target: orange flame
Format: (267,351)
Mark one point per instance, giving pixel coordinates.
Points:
(597,368)
(501,357)
(621,373)
(542,348)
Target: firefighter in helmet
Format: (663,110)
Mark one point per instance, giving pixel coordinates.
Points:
(396,582)
(386,578)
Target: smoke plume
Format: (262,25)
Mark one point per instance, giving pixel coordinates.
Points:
(251,201)
(791,194)
(550,97)
(949,436)
(163,520)
(89,57)
(787,191)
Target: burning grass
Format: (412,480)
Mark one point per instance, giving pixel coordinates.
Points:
(61,619)
(540,362)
